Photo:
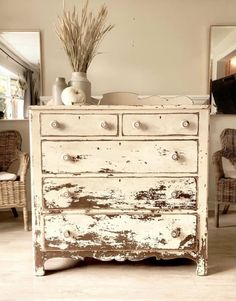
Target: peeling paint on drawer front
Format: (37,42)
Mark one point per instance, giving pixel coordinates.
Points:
(119,232)
(120,193)
(119,156)
(110,196)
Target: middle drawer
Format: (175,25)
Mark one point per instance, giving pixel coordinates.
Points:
(120,193)
(75,157)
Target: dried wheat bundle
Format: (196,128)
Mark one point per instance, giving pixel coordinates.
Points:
(81,35)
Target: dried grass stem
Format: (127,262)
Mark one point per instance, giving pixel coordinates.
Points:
(81,35)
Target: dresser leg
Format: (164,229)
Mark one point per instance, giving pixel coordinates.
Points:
(217,214)
(39,271)
(39,263)
(25,217)
(202,267)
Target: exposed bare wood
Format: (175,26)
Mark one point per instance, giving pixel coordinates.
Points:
(120,182)
(119,156)
(119,232)
(120,193)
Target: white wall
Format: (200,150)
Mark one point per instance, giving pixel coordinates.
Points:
(156,47)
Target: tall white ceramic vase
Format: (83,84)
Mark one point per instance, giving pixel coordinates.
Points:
(57,88)
(79,80)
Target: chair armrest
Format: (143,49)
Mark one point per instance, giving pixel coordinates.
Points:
(23,165)
(217,163)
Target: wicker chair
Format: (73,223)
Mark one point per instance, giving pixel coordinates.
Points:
(13,193)
(226,187)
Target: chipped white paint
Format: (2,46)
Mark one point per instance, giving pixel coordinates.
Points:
(119,232)
(118,156)
(202,266)
(160,124)
(120,193)
(140,255)
(98,193)
(40,271)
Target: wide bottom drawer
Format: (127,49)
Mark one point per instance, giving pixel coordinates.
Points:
(119,232)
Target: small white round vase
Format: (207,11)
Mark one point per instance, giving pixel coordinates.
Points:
(73,96)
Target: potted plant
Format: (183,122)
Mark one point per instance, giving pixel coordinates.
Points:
(81,34)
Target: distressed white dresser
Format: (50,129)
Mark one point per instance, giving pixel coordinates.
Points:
(120,182)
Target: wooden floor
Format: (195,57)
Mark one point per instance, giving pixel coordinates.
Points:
(92,280)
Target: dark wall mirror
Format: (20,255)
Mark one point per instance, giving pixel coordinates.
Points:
(20,72)
(223,69)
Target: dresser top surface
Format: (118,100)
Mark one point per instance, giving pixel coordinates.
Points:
(119,107)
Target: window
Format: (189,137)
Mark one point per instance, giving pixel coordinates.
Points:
(8,86)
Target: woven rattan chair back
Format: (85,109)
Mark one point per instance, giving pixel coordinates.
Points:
(226,187)
(13,193)
(10,143)
(228,141)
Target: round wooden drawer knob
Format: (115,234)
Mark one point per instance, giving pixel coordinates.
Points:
(175,156)
(67,234)
(66,157)
(185,123)
(174,194)
(175,233)
(54,124)
(67,194)
(137,124)
(104,125)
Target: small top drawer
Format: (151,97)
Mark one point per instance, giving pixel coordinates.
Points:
(160,124)
(79,125)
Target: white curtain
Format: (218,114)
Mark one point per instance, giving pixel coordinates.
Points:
(10,64)
(28,92)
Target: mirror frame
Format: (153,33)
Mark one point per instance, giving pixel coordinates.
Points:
(210,67)
(39,32)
